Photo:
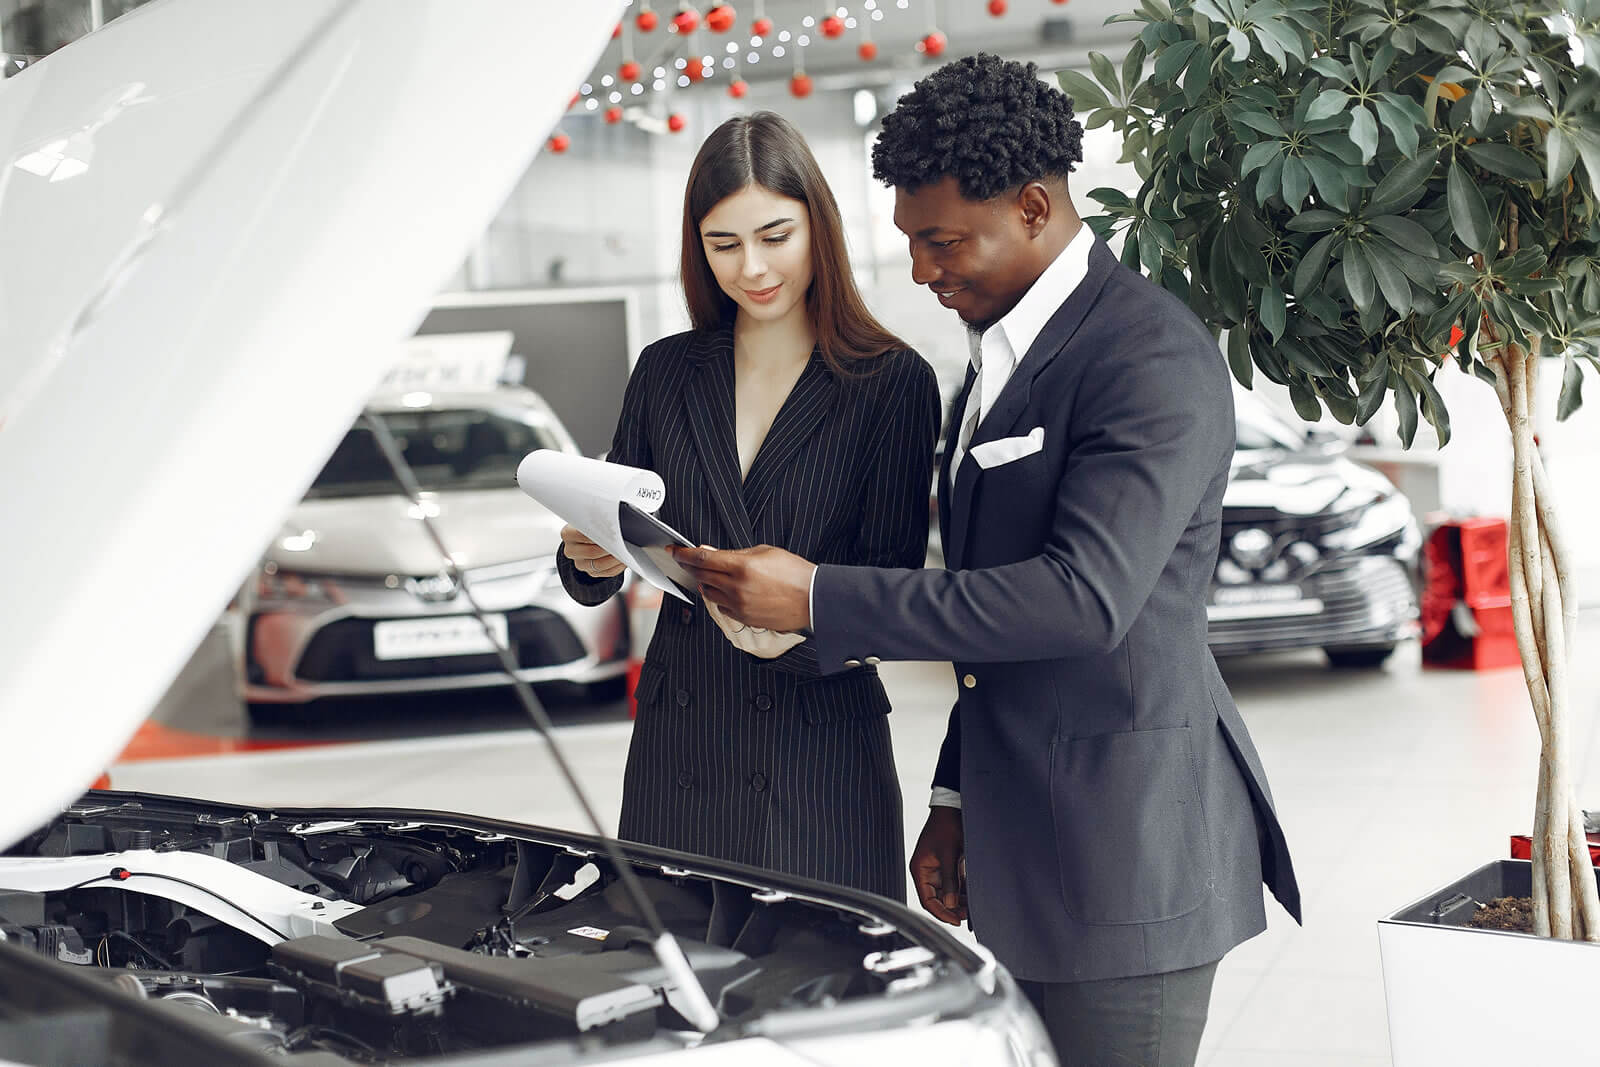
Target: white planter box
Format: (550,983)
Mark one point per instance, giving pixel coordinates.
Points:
(1460,996)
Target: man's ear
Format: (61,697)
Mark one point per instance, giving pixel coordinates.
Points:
(1033,203)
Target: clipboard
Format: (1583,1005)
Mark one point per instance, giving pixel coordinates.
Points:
(650,536)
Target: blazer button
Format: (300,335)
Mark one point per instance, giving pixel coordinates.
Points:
(872,661)
(763,703)
(852,663)
(685,779)
(758,782)
(970,682)
(687,616)
(683,697)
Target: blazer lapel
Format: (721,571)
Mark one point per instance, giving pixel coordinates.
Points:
(797,419)
(708,403)
(952,430)
(1014,397)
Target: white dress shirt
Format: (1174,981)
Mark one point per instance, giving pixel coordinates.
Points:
(995,354)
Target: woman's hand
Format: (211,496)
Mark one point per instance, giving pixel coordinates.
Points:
(589,557)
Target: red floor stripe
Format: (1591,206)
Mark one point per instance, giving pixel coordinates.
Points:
(154,741)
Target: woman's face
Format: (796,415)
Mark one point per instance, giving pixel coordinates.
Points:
(759,246)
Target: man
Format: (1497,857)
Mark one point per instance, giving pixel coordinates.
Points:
(1097,788)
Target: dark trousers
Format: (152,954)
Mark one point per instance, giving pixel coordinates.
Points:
(1153,1020)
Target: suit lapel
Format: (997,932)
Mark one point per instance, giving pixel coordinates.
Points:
(798,417)
(708,400)
(952,431)
(1013,399)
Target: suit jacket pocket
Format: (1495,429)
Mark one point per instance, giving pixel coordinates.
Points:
(651,678)
(831,700)
(991,454)
(1130,832)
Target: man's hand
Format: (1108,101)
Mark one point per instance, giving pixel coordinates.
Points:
(762,586)
(938,866)
(589,557)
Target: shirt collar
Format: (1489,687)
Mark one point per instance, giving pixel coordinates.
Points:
(1023,323)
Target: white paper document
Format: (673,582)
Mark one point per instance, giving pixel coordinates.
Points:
(615,506)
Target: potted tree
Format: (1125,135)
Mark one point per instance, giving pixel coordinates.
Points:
(1358,192)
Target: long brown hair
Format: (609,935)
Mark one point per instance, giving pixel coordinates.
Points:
(765,149)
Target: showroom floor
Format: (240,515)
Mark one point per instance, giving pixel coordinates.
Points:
(1389,784)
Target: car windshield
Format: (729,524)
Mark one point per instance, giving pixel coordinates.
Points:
(448,449)
(1259,430)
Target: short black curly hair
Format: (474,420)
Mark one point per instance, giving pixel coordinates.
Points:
(988,122)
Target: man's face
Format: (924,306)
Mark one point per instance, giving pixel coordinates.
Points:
(977,256)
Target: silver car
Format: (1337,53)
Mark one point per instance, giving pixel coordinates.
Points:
(349,598)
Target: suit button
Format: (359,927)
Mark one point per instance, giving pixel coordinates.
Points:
(763,703)
(970,682)
(852,663)
(758,782)
(872,661)
(683,697)
(687,616)
(685,779)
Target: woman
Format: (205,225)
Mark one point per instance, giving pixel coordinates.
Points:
(787,416)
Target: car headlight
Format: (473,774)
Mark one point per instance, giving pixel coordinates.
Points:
(1382,519)
(276,586)
(1013,1020)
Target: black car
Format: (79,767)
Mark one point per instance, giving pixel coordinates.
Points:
(1317,551)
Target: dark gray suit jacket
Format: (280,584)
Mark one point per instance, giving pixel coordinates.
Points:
(1118,820)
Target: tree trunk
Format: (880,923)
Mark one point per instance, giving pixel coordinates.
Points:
(1544,613)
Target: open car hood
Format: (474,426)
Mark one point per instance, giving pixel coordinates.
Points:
(218,221)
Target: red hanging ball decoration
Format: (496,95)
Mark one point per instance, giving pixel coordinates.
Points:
(686,20)
(574,100)
(1058,1)
(867,50)
(833,26)
(613,114)
(560,142)
(720,18)
(761,27)
(695,71)
(997,7)
(616,31)
(676,122)
(629,71)
(647,20)
(800,85)
(737,88)
(933,44)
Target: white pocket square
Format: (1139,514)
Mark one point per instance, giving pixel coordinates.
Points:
(993,454)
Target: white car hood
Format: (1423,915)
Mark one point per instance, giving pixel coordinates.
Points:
(219,219)
(381,535)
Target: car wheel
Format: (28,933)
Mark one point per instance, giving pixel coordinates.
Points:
(1368,658)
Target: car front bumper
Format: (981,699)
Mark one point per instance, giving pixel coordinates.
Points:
(1365,601)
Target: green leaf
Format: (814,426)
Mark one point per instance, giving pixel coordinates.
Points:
(1197,76)
(1404,185)
(1399,124)
(1560,154)
(1469,214)
(1085,94)
(1261,153)
(1313,266)
(1330,181)
(1571,390)
(1329,103)
(1305,401)
(1260,120)
(1364,133)
(1274,313)
(1482,106)
(1358,277)
(1172,60)
(1433,407)
(1239,41)
(1373,388)
(1132,68)
(1105,74)
(1314,221)
(1296,182)
(1270,182)
(1112,198)
(1239,355)
(1405,406)
(1506,161)
(1403,232)
(1391,279)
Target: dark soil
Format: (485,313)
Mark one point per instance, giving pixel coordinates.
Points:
(1505,913)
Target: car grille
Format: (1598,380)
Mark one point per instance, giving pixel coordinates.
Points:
(1369,599)
(342,651)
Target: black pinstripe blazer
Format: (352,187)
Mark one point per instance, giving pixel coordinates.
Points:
(767,762)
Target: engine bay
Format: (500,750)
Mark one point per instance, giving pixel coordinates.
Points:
(378,936)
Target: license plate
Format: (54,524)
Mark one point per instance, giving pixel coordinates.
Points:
(1261,602)
(448,635)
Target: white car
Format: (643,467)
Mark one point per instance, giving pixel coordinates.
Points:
(219,220)
(350,598)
